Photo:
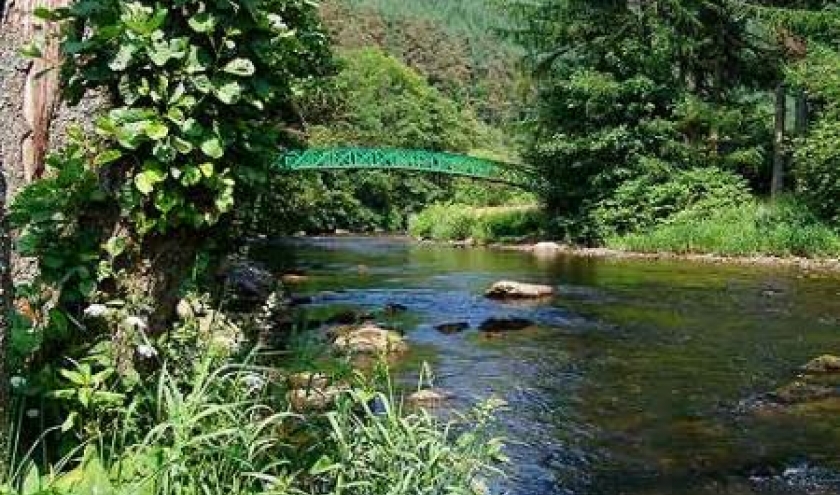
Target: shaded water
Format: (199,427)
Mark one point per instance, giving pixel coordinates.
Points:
(633,382)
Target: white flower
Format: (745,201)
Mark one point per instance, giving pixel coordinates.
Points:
(96,310)
(254,382)
(146,351)
(135,322)
(17,381)
(32,413)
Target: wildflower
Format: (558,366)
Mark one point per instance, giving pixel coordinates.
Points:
(254,382)
(17,381)
(135,322)
(32,413)
(146,350)
(96,310)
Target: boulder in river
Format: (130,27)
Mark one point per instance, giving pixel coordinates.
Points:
(507,289)
(370,339)
(293,278)
(430,397)
(823,364)
(502,325)
(452,328)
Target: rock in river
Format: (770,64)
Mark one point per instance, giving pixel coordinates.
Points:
(823,364)
(507,289)
(452,328)
(430,397)
(370,339)
(501,325)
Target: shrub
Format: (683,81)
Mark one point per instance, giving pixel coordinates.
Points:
(459,222)
(817,159)
(784,229)
(651,199)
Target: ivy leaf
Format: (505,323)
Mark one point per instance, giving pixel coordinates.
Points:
(157,130)
(202,83)
(202,22)
(227,92)
(123,58)
(206,169)
(107,157)
(213,148)
(191,176)
(182,145)
(152,174)
(240,67)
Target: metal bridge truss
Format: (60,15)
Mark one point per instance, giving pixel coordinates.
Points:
(403,159)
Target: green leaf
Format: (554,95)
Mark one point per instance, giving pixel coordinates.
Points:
(123,58)
(191,176)
(145,181)
(157,130)
(240,67)
(206,169)
(181,145)
(213,148)
(107,157)
(227,91)
(202,83)
(202,22)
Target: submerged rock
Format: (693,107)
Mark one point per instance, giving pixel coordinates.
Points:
(452,328)
(392,309)
(430,397)
(370,339)
(507,289)
(823,364)
(501,325)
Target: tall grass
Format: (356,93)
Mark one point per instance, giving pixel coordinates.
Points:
(494,224)
(785,228)
(229,431)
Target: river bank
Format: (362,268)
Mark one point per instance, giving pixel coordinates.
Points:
(796,262)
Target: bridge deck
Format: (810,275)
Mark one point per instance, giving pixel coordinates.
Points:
(403,159)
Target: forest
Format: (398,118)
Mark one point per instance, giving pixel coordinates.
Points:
(140,349)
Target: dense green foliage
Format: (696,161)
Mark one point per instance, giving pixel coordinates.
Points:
(376,100)
(786,228)
(447,222)
(647,108)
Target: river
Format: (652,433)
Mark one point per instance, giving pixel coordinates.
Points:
(634,381)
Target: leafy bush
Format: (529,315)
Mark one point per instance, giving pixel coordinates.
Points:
(754,228)
(652,199)
(459,222)
(817,164)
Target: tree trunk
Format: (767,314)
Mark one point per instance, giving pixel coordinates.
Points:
(6,295)
(779,153)
(28,89)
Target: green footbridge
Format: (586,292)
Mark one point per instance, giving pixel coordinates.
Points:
(405,159)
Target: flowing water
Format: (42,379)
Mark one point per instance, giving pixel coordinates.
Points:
(636,378)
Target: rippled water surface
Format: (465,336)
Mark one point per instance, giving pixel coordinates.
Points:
(635,380)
